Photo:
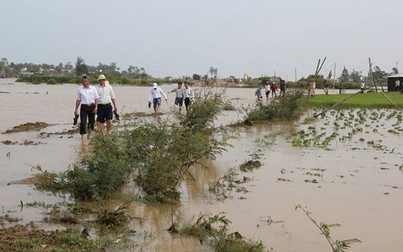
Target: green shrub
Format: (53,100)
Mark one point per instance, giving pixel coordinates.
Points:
(281,108)
(51,81)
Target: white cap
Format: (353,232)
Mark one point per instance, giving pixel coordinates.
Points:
(154,84)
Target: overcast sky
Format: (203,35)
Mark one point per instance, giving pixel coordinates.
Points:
(183,37)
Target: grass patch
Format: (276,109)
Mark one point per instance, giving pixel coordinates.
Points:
(366,100)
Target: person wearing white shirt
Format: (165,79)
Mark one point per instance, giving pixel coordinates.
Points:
(188,96)
(155,97)
(87,97)
(105,101)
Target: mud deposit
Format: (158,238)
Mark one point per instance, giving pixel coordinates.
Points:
(345,167)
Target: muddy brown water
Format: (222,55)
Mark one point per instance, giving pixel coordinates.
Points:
(358,186)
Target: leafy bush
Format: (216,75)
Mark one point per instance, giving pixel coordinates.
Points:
(213,229)
(281,108)
(160,154)
(51,81)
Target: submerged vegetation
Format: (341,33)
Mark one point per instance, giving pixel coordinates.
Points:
(281,108)
(214,231)
(336,245)
(150,154)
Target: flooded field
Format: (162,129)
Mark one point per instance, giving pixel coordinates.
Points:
(344,167)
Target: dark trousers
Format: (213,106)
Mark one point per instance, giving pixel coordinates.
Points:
(86,111)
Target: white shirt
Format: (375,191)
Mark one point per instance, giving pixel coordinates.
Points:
(87,95)
(188,93)
(156,93)
(105,93)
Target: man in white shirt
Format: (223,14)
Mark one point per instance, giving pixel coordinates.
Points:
(155,97)
(87,97)
(188,96)
(106,97)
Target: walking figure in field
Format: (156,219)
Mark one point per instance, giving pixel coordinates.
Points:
(362,86)
(105,101)
(326,87)
(188,96)
(179,95)
(87,97)
(155,97)
(273,89)
(258,93)
(283,87)
(266,89)
(311,87)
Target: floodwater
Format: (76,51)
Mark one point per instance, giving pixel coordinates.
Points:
(355,180)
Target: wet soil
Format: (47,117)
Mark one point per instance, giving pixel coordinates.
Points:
(29,126)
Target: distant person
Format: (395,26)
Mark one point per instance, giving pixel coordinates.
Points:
(179,95)
(258,93)
(266,88)
(155,97)
(283,87)
(105,101)
(326,87)
(397,84)
(188,96)
(362,86)
(311,87)
(87,97)
(273,89)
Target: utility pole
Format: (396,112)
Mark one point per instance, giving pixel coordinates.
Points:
(372,76)
(295,72)
(334,74)
(341,80)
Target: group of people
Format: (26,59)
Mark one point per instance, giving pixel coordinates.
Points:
(272,88)
(98,101)
(183,95)
(95,101)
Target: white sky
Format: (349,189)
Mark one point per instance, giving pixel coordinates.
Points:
(183,37)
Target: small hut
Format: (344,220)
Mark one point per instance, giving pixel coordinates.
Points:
(392,81)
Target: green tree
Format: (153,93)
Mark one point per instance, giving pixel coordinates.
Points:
(395,70)
(345,76)
(378,74)
(213,72)
(355,76)
(3,66)
(196,77)
(81,67)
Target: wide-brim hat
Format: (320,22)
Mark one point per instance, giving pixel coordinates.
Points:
(101,77)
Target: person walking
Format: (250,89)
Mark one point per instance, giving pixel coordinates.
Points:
(155,97)
(266,89)
(258,93)
(283,87)
(105,101)
(179,95)
(273,88)
(326,87)
(362,87)
(87,100)
(188,96)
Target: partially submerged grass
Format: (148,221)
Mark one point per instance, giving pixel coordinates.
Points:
(366,100)
(214,231)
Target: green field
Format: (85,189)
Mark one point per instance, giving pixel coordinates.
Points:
(366,100)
